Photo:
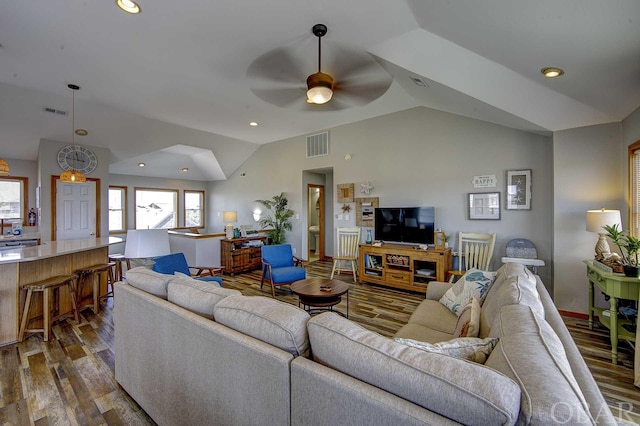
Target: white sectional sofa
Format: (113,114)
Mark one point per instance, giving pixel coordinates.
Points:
(265,362)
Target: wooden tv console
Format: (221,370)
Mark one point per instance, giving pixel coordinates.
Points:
(402,266)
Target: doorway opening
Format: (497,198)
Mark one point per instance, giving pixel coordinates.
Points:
(315,221)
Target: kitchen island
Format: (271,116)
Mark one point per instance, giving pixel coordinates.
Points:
(24,265)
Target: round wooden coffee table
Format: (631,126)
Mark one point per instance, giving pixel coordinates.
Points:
(320,293)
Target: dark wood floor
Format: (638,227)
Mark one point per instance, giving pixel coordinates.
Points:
(70,379)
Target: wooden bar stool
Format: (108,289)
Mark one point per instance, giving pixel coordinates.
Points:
(118,259)
(50,289)
(92,274)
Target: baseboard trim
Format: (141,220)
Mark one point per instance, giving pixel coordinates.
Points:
(573,314)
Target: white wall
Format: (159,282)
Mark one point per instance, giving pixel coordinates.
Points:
(587,175)
(419,157)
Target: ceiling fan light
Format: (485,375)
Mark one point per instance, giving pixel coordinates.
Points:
(319,95)
(320,87)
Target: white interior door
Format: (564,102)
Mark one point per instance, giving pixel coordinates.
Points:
(75,210)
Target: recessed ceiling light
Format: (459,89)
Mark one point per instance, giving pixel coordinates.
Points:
(552,72)
(253,124)
(141,164)
(82,132)
(184,170)
(128,6)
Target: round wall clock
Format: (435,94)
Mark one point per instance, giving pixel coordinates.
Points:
(77,157)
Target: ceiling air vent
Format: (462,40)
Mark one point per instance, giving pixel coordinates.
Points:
(55,111)
(418,81)
(318,145)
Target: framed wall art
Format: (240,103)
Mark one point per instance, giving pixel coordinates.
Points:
(484,206)
(518,190)
(345,192)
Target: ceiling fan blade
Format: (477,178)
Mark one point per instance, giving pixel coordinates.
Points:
(276,66)
(285,98)
(362,94)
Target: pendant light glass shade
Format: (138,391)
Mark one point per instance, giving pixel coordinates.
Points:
(4,167)
(72,175)
(320,87)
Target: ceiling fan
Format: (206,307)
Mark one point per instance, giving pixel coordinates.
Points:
(354,78)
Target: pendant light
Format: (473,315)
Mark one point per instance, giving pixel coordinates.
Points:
(72,175)
(320,85)
(4,167)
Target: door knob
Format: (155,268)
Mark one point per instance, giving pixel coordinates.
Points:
(92,234)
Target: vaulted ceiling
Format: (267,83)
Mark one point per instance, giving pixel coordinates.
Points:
(177,85)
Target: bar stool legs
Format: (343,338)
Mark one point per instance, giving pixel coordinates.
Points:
(90,275)
(119,259)
(50,293)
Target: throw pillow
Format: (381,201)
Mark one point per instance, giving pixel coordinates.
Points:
(475,283)
(468,324)
(469,348)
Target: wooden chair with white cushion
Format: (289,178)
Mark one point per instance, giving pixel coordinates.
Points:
(474,251)
(348,240)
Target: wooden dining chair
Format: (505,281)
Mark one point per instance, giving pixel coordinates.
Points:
(474,251)
(347,251)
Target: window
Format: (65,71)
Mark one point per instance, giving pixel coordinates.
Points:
(13,199)
(156,208)
(634,189)
(117,209)
(193,209)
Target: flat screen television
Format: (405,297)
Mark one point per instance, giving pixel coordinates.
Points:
(413,225)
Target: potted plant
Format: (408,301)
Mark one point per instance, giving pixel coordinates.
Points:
(626,243)
(280,221)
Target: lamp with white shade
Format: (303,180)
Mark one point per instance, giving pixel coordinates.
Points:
(596,220)
(146,243)
(229,217)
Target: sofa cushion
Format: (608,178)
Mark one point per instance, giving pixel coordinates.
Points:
(197,296)
(433,314)
(468,324)
(460,390)
(531,353)
(519,287)
(470,348)
(474,283)
(147,280)
(277,323)
(422,333)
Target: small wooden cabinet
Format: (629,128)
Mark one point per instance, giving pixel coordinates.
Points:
(241,254)
(402,266)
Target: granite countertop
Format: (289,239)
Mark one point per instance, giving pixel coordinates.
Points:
(54,248)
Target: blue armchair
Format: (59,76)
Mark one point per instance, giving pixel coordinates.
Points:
(280,267)
(176,262)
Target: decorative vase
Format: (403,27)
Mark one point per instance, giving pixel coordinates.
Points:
(368,239)
(631,271)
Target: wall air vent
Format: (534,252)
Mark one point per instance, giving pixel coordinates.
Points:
(55,111)
(318,145)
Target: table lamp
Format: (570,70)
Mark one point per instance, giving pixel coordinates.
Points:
(596,220)
(229,217)
(146,243)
